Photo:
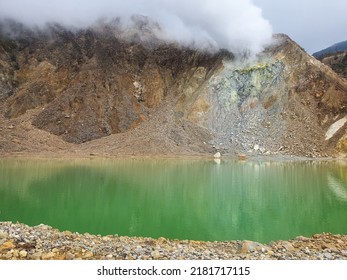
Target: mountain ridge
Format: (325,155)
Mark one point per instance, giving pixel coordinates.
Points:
(338,47)
(92,91)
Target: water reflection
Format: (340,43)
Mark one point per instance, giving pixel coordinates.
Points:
(337,188)
(337,182)
(185,199)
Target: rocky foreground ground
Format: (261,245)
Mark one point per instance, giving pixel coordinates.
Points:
(21,242)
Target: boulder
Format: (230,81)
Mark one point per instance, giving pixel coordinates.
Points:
(217,155)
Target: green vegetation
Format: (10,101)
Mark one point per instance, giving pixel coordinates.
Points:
(341,67)
(8,44)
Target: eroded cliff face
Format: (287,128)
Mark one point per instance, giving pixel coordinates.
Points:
(149,96)
(92,84)
(283,101)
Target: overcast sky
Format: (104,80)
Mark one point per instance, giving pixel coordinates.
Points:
(232,24)
(314,24)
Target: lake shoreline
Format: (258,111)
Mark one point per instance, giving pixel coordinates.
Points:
(42,242)
(204,156)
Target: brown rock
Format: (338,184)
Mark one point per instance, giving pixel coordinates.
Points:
(88,255)
(70,256)
(7,246)
(23,254)
(288,246)
(155,255)
(3,235)
(55,250)
(162,240)
(15,253)
(8,255)
(250,246)
(60,257)
(36,256)
(242,157)
(329,246)
(47,256)
(67,233)
(302,238)
(106,238)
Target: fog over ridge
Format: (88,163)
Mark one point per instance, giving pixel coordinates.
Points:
(236,25)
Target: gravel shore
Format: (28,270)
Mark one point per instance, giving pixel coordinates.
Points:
(42,242)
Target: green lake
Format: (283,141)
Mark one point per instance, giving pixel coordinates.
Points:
(260,200)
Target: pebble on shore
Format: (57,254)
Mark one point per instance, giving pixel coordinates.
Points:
(21,242)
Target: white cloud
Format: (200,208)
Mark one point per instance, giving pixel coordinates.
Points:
(237,25)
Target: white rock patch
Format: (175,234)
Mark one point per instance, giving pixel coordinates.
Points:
(335,127)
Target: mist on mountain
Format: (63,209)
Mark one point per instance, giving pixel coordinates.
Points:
(237,26)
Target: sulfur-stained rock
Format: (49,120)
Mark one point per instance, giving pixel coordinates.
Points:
(142,95)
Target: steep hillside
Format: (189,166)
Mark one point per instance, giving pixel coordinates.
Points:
(109,91)
(335,57)
(337,62)
(338,47)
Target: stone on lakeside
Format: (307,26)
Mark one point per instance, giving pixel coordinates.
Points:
(250,246)
(217,155)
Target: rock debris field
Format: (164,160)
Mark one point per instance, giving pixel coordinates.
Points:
(42,242)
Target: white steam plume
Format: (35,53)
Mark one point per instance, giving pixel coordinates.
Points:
(236,25)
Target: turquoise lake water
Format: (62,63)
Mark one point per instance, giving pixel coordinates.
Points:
(260,200)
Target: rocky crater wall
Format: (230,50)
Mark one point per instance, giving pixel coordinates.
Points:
(82,85)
